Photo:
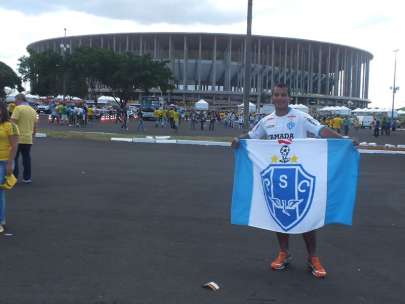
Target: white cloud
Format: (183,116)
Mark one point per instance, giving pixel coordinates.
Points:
(146,12)
(374,27)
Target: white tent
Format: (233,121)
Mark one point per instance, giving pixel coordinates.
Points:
(30,97)
(345,111)
(389,112)
(300,107)
(359,111)
(336,110)
(107,99)
(325,109)
(64,98)
(252,107)
(11,97)
(375,111)
(201,105)
(8,90)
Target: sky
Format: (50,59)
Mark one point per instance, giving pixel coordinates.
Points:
(374,26)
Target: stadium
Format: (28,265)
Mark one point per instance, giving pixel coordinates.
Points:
(210,66)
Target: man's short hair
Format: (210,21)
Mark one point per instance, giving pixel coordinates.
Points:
(281,85)
(20,97)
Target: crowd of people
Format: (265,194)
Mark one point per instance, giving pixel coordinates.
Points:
(78,115)
(383,126)
(341,124)
(71,115)
(202,120)
(380,125)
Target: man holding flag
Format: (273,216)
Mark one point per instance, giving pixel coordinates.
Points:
(285,125)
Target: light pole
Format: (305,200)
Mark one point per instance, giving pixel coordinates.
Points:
(248,59)
(64,48)
(394,89)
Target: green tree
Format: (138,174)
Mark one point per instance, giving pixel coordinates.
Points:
(131,73)
(91,65)
(128,73)
(44,71)
(8,78)
(87,68)
(155,74)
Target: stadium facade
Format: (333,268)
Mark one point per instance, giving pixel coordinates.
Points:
(211,66)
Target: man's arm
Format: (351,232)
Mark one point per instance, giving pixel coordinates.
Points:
(329,133)
(256,133)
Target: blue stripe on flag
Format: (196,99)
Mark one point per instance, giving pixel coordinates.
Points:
(343,167)
(242,186)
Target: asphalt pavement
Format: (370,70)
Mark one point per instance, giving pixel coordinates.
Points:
(138,223)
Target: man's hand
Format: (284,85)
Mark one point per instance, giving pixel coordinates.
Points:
(235,143)
(355,142)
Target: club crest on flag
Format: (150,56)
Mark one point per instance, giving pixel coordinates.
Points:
(288,190)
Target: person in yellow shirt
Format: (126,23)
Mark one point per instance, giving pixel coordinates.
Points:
(337,123)
(157,116)
(8,149)
(171,118)
(90,113)
(165,118)
(176,119)
(25,118)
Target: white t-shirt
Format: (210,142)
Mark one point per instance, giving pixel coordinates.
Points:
(295,124)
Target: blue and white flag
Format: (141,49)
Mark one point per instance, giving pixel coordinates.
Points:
(294,187)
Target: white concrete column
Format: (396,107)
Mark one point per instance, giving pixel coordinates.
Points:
(297,66)
(337,73)
(229,65)
(285,61)
(319,69)
(328,90)
(272,65)
(185,55)
(199,62)
(309,80)
(171,55)
(267,66)
(214,65)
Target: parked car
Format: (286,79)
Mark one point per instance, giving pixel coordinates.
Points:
(148,113)
(43,108)
(103,112)
(34,105)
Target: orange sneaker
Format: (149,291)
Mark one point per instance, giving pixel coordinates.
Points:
(282,261)
(314,264)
